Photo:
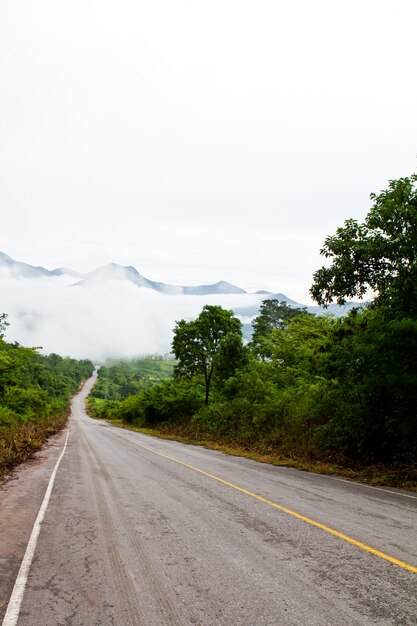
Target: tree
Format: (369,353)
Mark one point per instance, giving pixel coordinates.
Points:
(197,344)
(273,314)
(380,254)
(373,394)
(3,324)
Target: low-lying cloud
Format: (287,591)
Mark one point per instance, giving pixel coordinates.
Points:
(112,318)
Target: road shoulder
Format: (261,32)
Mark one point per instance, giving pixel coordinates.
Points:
(21,495)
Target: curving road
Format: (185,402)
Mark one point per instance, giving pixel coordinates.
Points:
(143,531)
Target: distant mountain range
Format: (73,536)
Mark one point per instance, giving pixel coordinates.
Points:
(113,271)
(24,270)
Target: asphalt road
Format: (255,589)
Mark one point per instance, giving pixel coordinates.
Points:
(143,531)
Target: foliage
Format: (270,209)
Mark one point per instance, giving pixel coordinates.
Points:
(167,401)
(198,344)
(19,440)
(340,389)
(231,355)
(321,388)
(3,324)
(34,396)
(380,254)
(273,314)
(375,399)
(118,380)
(141,391)
(372,354)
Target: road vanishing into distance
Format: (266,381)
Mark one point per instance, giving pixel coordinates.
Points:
(143,531)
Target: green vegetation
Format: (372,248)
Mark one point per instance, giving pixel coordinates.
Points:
(34,397)
(273,314)
(380,254)
(312,389)
(320,389)
(207,344)
(119,382)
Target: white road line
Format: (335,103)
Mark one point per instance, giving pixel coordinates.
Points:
(13,608)
(383,489)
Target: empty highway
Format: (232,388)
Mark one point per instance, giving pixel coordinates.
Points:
(144,531)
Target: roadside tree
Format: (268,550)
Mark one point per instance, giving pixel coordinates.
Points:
(197,345)
(379,255)
(273,315)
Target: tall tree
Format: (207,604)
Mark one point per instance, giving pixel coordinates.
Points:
(379,255)
(273,314)
(197,344)
(3,324)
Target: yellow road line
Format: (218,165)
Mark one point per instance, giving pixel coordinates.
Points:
(303,518)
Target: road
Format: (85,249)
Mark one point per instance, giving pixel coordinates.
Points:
(143,531)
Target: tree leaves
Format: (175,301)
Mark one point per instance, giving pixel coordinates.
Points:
(379,255)
(196,344)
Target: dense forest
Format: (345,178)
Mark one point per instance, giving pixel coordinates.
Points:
(316,387)
(34,397)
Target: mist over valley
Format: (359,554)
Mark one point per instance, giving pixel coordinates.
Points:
(110,311)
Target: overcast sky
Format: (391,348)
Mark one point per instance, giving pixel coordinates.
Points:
(200,140)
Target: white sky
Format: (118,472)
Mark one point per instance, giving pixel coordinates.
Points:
(200,140)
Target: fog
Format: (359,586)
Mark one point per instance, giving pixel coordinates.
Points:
(113,318)
(199,140)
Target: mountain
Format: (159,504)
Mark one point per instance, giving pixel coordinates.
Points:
(221,287)
(23,270)
(335,309)
(252,310)
(114,271)
(112,310)
(65,271)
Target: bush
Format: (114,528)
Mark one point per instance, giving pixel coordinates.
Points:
(170,401)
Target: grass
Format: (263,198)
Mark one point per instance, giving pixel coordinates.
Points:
(18,442)
(400,476)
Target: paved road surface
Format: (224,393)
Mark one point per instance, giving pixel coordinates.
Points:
(141,531)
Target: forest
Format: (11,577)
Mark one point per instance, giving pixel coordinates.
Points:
(319,388)
(34,397)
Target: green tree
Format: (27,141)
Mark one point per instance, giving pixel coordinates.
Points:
(380,254)
(34,397)
(232,354)
(273,314)
(3,324)
(197,344)
(371,361)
